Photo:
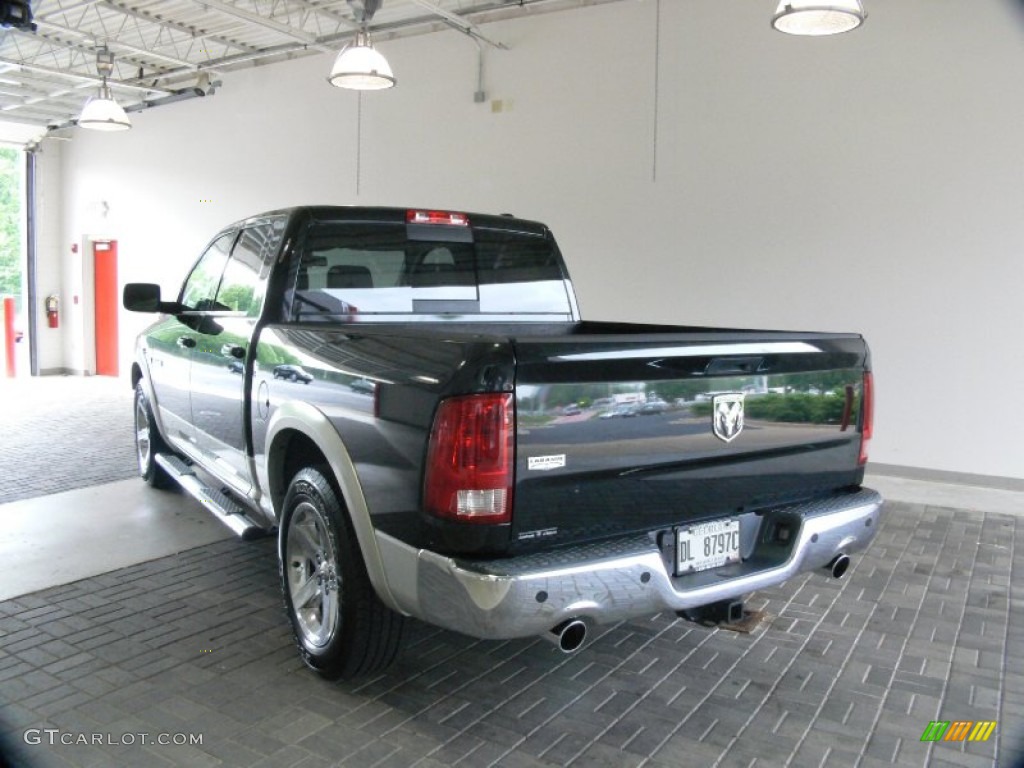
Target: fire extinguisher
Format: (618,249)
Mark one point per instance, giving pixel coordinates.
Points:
(52,310)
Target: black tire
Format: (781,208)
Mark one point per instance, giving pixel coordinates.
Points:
(149,442)
(343,630)
(293,378)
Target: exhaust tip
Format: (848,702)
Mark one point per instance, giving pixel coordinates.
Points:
(569,636)
(839,565)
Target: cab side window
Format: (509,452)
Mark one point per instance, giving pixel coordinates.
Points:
(200,289)
(241,288)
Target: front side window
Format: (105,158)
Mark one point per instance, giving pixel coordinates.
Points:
(241,288)
(200,290)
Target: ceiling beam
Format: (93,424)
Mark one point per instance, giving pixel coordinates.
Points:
(79,76)
(93,40)
(463,25)
(262,21)
(177,26)
(7,117)
(39,107)
(84,47)
(333,15)
(63,9)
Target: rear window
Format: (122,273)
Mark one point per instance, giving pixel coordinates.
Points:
(365,270)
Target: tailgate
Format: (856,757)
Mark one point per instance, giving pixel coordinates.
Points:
(643,432)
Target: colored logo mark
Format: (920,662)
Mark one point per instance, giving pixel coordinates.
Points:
(958,730)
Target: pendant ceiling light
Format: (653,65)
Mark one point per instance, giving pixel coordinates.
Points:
(803,17)
(361,67)
(102,112)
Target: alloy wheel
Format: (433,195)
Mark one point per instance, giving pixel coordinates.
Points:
(143,445)
(312,573)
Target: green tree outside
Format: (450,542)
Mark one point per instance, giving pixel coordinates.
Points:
(10,224)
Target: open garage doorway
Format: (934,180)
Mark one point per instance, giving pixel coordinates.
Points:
(12,264)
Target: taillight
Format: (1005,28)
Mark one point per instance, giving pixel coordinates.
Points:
(437,217)
(470,458)
(868,416)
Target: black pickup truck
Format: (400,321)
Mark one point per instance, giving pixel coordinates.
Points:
(412,400)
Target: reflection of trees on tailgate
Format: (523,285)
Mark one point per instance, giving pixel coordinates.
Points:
(823,381)
(796,407)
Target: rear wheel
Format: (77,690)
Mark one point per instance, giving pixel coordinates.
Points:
(341,627)
(148,442)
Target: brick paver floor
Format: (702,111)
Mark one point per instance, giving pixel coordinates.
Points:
(58,433)
(927,625)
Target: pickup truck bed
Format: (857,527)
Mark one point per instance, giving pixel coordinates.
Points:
(411,398)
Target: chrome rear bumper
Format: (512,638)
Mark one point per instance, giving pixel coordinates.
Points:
(622,579)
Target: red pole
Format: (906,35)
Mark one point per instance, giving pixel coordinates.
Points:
(9,334)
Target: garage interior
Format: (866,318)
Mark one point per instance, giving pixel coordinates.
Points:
(697,166)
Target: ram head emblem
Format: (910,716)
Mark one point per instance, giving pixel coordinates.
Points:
(727,416)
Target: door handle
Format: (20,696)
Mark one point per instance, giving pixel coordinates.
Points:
(186,342)
(236,351)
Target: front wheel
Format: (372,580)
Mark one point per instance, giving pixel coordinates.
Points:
(148,442)
(341,627)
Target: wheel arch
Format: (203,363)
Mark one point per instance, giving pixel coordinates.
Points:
(300,435)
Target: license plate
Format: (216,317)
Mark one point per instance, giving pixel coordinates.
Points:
(707,545)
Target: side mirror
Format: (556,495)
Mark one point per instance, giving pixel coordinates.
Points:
(141,297)
(145,297)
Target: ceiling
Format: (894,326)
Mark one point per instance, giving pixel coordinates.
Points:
(167,50)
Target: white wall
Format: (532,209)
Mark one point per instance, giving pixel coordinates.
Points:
(873,182)
(49,259)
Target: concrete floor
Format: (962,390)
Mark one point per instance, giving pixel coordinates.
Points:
(52,540)
(948,495)
(129,610)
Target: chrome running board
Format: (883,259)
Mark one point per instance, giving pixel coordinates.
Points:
(232,514)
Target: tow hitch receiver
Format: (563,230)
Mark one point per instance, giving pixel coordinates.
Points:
(712,614)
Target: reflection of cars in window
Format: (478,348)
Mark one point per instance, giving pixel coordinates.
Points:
(236,366)
(653,406)
(572,410)
(363,386)
(625,411)
(292,373)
